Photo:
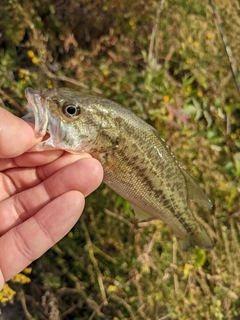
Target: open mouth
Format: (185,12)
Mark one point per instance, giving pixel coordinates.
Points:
(46,125)
(37,112)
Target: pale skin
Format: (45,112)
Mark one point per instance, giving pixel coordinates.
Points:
(42,194)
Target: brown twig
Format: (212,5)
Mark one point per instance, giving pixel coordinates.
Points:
(14,103)
(25,309)
(226,45)
(95,263)
(174,260)
(116,216)
(154,33)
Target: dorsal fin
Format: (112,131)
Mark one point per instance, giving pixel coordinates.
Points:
(196,193)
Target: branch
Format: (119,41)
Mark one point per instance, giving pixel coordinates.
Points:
(226,45)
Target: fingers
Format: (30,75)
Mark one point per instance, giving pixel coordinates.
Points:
(18,179)
(29,240)
(30,159)
(84,175)
(13,130)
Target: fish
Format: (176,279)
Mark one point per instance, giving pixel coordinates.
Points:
(137,162)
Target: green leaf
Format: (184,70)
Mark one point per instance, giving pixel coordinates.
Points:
(236,158)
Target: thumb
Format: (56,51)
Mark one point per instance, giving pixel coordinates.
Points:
(16,136)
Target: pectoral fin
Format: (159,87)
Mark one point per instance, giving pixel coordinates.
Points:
(195,193)
(142,215)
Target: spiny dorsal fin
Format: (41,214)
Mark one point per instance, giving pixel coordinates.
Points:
(195,193)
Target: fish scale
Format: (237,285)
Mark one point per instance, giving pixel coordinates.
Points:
(158,197)
(136,160)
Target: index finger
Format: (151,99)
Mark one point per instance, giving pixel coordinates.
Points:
(16,135)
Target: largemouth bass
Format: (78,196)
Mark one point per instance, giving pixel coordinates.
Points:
(136,160)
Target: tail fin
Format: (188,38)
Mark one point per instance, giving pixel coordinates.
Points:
(200,239)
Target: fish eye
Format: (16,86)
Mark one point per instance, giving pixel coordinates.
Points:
(71,110)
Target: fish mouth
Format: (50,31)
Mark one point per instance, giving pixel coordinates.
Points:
(37,111)
(46,125)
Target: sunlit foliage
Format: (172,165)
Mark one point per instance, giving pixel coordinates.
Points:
(165,61)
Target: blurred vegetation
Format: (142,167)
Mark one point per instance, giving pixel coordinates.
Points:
(165,61)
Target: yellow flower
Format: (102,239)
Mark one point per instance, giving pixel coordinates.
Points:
(30,53)
(111,288)
(132,299)
(27,270)
(187,269)
(209,35)
(20,73)
(49,85)
(70,234)
(132,24)
(199,93)
(218,303)
(20,278)
(34,60)
(105,73)
(6,294)
(196,44)
(165,98)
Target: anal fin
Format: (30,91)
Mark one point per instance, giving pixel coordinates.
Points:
(200,239)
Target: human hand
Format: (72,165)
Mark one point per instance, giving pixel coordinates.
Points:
(41,194)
